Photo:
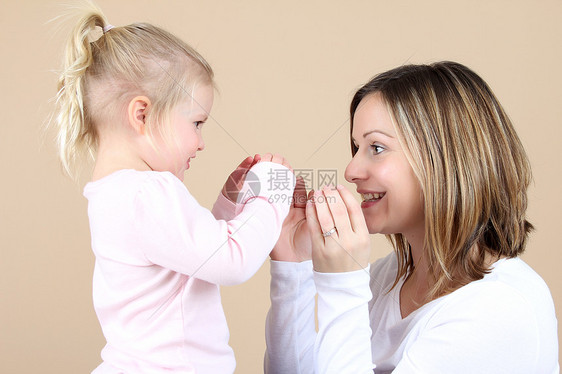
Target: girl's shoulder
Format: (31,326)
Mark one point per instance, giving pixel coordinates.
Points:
(127,181)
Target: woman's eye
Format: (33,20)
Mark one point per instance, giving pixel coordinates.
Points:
(377,148)
(198,124)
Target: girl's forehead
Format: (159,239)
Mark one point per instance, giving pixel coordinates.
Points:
(200,99)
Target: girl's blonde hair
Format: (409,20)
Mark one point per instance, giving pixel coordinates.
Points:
(104,68)
(470,163)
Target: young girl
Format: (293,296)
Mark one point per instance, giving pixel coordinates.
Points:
(443,174)
(138,96)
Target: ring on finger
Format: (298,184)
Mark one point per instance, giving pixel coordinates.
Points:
(329,232)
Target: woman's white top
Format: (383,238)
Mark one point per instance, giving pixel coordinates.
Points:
(503,323)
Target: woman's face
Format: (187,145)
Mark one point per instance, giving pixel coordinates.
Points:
(392,196)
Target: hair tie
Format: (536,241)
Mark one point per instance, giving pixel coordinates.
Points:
(107,27)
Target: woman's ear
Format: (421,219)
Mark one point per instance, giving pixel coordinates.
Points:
(137,112)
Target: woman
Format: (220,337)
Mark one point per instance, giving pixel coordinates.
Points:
(443,174)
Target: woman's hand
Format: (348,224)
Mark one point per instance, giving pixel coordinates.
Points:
(294,244)
(347,247)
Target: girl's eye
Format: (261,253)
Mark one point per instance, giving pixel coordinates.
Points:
(377,148)
(198,124)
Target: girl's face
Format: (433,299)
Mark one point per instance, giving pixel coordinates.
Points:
(392,196)
(186,121)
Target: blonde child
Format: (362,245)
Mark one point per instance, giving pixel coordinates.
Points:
(137,96)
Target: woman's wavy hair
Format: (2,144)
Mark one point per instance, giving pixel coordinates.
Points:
(105,67)
(470,163)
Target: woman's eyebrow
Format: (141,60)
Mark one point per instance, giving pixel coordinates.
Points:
(372,131)
(379,131)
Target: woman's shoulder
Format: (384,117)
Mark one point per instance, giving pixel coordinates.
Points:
(516,278)
(511,294)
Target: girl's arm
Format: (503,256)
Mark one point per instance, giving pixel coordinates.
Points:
(175,232)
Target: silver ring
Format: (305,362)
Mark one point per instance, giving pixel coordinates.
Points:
(329,232)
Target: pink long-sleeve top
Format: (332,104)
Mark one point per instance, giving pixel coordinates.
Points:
(160,258)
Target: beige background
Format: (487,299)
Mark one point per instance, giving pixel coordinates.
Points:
(286,74)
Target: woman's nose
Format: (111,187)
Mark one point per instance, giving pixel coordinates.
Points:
(355,170)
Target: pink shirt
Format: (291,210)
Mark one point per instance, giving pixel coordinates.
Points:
(160,258)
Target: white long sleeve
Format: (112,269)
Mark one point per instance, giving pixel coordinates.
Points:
(343,316)
(290,327)
(292,343)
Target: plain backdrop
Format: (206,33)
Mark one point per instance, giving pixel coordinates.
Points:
(286,73)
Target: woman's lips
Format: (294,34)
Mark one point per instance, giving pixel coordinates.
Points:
(371,198)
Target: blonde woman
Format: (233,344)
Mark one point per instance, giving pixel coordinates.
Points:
(443,174)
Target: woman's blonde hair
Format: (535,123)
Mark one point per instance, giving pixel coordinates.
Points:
(105,67)
(470,163)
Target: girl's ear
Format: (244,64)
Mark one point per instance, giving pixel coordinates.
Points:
(137,112)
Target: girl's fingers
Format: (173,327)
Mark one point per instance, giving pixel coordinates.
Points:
(257,158)
(287,165)
(356,217)
(268,157)
(239,174)
(338,210)
(278,159)
(245,164)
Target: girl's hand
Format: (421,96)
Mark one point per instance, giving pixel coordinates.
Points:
(294,244)
(347,248)
(235,180)
(268,157)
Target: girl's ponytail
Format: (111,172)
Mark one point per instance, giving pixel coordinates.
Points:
(75,131)
(104,67)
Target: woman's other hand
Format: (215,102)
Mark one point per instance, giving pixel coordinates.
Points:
(340,239)
(294,244)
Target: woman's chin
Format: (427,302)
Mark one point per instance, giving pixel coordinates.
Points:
(376,229)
